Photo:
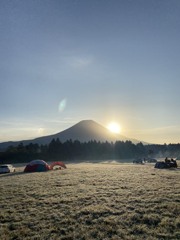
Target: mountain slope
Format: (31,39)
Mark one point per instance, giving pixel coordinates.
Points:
(83,131)
(87,130)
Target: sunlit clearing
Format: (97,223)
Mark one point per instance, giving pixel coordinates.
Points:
(114,127)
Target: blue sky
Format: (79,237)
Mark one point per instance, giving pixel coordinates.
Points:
(63,61)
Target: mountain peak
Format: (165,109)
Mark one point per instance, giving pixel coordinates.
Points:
(86,122)
(83,131)
(89,130)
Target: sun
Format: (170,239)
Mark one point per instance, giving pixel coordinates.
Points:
(114,127)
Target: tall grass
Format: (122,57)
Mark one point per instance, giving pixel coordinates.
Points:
(91,201)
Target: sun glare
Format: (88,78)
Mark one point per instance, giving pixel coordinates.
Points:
(40,130)
(114,127)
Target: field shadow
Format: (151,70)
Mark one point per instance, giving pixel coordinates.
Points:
(19,173)
(173,169)
(169,169)
(11,174)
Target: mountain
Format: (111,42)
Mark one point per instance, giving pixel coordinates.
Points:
(83,131)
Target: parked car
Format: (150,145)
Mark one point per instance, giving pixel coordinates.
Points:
(7,168)
(138,161)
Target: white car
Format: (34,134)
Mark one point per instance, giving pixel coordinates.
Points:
(7,168)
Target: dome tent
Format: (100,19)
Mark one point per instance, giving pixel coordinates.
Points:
(57,165)
(37,166)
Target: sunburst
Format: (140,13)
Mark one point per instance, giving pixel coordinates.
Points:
(114,127)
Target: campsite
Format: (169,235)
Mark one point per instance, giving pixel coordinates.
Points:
(100,200)
(89,124)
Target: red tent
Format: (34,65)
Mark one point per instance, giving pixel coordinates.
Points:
(60,165)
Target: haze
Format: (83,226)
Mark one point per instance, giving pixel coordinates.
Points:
(110,61)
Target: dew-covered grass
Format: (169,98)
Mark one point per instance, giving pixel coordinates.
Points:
(91,201)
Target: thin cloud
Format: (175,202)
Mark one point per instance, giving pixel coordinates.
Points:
(165,128)
(79,62)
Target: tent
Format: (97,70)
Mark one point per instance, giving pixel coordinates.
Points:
(161,165)
(37,166)
(168,164)
(57,165)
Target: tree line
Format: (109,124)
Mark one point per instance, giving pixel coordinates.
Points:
(92,150)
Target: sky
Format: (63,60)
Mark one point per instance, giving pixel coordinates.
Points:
(63,61)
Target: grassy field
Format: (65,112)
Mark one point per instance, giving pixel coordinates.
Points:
(91,201)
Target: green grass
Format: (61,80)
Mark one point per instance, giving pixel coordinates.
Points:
(91,201)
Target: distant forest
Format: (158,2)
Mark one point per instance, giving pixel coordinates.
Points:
(92,150)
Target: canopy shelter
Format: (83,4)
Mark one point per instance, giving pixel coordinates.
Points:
(57,165)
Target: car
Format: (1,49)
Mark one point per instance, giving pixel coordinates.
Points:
(7,168)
